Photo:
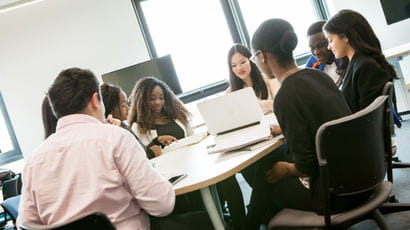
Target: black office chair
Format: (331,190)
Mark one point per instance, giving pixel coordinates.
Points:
(351,157)
(11,187)
(93,220)
(5,174)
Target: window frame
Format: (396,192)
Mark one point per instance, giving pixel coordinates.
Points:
(239,33)
(14,154)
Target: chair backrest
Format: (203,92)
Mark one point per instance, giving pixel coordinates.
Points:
(11,187)
(351,150)
(388,91)
(93,220)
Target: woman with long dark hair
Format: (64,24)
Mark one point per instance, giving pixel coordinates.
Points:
(155,110)
(350,35)
(244,73)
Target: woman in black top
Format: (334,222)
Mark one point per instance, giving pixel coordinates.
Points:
(307,99)
(350,35)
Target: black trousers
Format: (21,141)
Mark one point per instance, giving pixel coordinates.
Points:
(261,190)
(230,192)
(187,221)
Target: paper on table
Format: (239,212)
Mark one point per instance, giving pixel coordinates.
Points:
(193,139)
(240,138)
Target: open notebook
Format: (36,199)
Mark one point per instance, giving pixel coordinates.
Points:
(234,120)
(193,139)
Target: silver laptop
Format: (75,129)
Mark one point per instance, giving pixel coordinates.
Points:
(234,120)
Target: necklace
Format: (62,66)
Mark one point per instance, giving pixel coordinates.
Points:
(290,72)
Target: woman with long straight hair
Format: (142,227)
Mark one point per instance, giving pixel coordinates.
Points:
(244,73)
(350,35)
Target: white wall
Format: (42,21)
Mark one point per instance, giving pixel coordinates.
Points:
(39,40)
(389,35)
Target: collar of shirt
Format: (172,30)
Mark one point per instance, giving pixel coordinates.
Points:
(75,119)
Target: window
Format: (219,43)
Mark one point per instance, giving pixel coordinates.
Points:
(9,148)
(198,34)
(299,13)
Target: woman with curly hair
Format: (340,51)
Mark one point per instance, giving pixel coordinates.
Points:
(156,111)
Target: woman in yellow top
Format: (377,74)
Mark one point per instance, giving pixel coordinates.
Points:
(244,73)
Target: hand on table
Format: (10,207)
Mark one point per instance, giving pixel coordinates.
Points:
(275,130)
(166,139)
(112,121)
(156,149)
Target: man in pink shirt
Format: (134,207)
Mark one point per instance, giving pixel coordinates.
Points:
(90,166)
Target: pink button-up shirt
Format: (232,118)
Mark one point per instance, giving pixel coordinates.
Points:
(89,166)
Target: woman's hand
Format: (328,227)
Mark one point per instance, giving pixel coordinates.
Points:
(112,121)
(279,170)
(156,149)
(266,105)
(275,130)
(166,139)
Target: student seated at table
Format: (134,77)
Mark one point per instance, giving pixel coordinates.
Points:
(89,166)
(116,107)
(322,58)
(244,73)
(307,98)
(351,36)
(155,110)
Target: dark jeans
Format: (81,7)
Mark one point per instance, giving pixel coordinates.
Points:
(261,190)
(230,192)
(188,202)
(290,193)
(187,221)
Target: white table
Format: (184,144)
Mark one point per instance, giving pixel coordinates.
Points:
(205,170)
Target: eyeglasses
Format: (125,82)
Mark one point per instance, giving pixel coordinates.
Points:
(253,57)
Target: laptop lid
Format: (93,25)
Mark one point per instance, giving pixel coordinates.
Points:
(231,111)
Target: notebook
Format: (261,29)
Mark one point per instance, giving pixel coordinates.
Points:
(187,141)
(234,120)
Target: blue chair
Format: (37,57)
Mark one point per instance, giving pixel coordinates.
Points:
(10,189)
(11,207)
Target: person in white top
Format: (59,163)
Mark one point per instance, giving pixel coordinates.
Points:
(244,73)
(87,165)
(322,58)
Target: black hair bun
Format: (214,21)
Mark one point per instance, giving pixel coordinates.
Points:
(288,41)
